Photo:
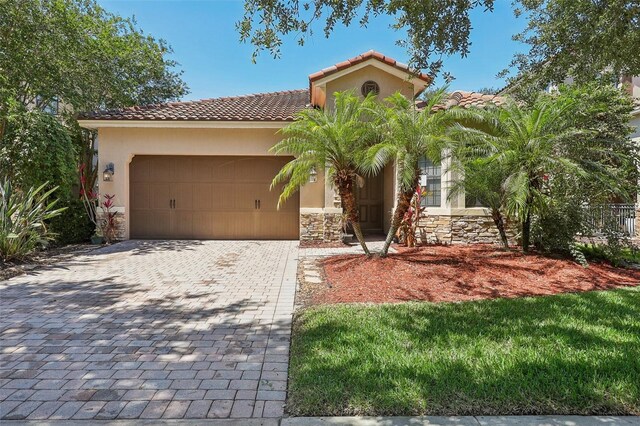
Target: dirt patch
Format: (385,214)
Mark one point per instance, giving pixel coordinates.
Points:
(457,273)
(312,281)
(43,258)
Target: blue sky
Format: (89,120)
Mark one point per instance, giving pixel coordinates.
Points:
(215,63)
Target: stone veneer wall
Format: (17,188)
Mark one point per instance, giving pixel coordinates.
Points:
(459,230)
(320,227)
(120,224)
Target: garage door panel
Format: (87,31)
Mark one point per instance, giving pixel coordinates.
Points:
(223,169)
(159,196)
(142,200)
(215,197)
(183,224)
(140,173)
(150,224)
(275,225)
(183,196)
(160,169)
(243,195)
(183,170)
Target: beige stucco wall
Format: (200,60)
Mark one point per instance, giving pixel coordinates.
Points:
(120,145)
(389,84)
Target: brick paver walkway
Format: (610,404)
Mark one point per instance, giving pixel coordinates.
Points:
(170,329)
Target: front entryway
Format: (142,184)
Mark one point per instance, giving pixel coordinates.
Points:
(371,201)
(209,197)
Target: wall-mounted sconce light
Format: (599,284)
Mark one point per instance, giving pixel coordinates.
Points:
(107,175)
(313,175)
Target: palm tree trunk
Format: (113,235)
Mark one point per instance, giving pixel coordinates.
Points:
(404,202)
(526,233)
(346,190)
(499,221)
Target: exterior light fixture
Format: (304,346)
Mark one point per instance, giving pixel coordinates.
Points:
(107,175)
(313,175)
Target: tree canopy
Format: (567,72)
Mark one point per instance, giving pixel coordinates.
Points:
(578,38)
(76,51)
(565,37)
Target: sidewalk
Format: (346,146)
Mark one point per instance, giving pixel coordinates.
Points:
(372,421)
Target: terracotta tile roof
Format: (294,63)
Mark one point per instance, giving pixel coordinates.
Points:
(276,106)
(467,99)
(372,54)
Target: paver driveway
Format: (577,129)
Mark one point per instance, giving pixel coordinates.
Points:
(165,329)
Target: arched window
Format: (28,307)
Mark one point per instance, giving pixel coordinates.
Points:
(370,87)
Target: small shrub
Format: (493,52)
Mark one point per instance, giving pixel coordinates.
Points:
(72,226)
(603,252)
(23,220)
(555,230)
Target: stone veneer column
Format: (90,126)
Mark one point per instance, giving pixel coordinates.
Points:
(120,224)
(321,226)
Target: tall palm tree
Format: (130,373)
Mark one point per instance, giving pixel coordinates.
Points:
(525,143)
(330,139)
(407,136)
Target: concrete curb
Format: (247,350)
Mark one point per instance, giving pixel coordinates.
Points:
(466,421)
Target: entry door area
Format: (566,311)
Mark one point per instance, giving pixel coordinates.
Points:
(209,197)
(370,200)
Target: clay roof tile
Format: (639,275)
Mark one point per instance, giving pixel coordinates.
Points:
(276,106)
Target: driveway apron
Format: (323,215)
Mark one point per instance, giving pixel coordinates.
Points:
(150,330)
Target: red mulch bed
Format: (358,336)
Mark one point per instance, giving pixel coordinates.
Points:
(457,273)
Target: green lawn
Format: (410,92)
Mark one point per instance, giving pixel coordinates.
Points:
(565,354)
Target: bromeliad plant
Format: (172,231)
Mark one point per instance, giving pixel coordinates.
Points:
(409,225)
(105,223)
(23,219)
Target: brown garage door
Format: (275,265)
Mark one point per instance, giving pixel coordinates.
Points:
(209,198)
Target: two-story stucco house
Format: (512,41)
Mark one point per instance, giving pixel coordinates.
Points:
(202,169)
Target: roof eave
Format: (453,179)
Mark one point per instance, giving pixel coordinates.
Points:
(183,124)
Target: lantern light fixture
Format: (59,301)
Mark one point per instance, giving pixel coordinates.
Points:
(107,175)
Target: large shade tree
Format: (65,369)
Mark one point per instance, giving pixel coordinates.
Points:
(76,51)
(563,37)
(577,38)
(408,135)
(330,139)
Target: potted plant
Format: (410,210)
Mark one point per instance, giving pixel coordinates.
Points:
(346,236)
(97,238)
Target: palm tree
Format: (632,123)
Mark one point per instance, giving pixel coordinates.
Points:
(525,143)
(483,181)
(408,135)
(329,139)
